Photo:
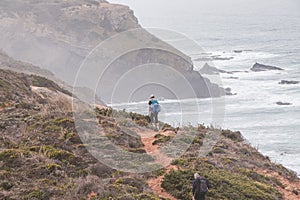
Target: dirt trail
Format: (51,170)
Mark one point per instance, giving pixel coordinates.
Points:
(147,137)
(155,185)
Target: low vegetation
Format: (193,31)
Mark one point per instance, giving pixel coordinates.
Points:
(43,157)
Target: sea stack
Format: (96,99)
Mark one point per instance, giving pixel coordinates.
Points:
(257,67)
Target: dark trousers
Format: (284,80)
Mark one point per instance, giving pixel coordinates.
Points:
(154,117)
(200,196)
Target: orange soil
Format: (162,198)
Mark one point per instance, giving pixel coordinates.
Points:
(155,185)
(147,137)
(289,185)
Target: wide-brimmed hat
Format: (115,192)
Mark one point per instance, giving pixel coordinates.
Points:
(152,96)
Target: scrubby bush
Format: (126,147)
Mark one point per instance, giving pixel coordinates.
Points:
(225,184)
(235,136)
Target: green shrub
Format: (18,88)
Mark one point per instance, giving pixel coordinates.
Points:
(36,194)
(235,136)
(144,196)
(54,153)
(162,140)
(11,154)
(225,184)
(218,150)
(52,167)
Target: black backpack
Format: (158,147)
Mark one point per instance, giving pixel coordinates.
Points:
(202,188)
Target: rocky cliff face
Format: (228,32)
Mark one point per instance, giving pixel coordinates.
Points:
(58,35)
(75,22)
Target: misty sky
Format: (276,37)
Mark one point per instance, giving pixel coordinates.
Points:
(166,8)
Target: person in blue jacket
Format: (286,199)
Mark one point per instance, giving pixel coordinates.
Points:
(154,109)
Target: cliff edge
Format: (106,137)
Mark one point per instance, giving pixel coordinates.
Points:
(42,155)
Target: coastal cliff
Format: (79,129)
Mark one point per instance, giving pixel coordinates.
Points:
(58,36)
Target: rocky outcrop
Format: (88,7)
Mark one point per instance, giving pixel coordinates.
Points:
(283,82)
(58,35)
(229,92)
(79,23)
(280,103)
(238,51)
(257,67)
(211,70)
(207,69)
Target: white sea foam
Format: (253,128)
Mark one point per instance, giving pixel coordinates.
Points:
(253,110)
(239,61)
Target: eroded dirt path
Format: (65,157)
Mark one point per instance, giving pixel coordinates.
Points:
(148,137)
(155,185)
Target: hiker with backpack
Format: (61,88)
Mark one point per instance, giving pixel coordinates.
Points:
(200,187)
(154,109)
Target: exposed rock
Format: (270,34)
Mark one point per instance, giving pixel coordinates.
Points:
(232,77)
(296,192)
(224,72)
(58,35)
(211,70)
(237,51)
(260,67)
(288,82)
(241,51)
(229,92)
(207,69)
(236,71)
(283,103)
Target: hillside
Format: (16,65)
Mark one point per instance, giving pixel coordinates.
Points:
(7,62)
(42,156)
(58,36)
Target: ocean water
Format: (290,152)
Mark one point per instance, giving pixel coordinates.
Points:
(269,33)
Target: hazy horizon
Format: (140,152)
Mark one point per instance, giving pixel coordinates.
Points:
(147,8)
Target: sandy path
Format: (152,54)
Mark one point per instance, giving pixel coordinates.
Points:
(147,137)
(155,185)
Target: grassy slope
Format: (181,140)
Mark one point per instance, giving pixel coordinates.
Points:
(42,156)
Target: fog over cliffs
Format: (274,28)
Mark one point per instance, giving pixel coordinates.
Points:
(58,36)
